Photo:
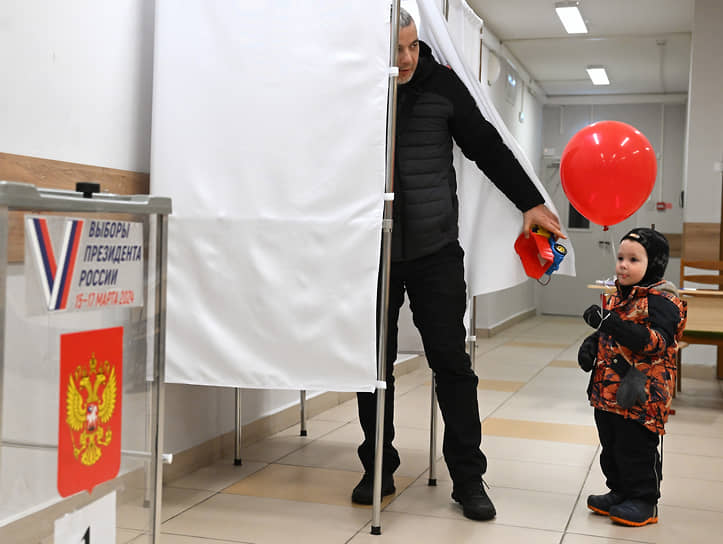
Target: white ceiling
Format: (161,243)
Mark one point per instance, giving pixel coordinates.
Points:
(644,44)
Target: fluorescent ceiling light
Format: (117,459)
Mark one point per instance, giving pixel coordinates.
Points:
(598,75)
(571,18)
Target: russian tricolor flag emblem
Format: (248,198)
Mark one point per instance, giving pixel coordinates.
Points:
(55,274)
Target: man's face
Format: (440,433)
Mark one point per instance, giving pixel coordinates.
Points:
(408,53)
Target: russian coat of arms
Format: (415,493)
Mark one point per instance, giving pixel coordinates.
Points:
(90,403)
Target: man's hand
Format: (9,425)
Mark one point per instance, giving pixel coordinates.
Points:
(542,216)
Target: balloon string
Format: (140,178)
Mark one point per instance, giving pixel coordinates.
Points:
(614,251)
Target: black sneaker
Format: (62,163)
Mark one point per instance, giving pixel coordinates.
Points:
(601,504)
(364,491)
(634,513)
(475,503)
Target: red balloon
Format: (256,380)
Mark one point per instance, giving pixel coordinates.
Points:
(608,170)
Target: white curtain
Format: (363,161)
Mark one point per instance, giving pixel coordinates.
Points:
(489,222)
(269,128)
(465,27)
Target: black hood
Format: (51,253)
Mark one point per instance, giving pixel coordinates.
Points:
(658,251)
(425,66)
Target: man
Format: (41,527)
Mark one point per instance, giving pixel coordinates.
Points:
(433,109)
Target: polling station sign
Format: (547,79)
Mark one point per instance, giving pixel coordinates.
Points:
(83,264)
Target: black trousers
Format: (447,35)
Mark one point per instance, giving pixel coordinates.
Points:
(437,296)
(629,457)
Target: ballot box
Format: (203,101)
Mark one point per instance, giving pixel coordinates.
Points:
(82,329)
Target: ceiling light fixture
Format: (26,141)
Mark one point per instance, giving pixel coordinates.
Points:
(569,14)
(598,75)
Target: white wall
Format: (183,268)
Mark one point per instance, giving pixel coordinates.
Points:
(76,81)
(705,115)
(705,131)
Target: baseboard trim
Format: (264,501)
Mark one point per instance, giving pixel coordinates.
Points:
(506,324)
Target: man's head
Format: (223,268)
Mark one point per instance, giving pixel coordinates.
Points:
(408,51)
(656,253)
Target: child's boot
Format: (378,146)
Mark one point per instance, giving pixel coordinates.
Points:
(634,513)
(601,504)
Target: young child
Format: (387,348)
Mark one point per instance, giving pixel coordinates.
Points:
(632,355)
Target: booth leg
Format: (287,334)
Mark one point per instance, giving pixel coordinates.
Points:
(433,439)
(237,442)
(302,414)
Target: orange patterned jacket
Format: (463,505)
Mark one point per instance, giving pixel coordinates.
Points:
(657,359)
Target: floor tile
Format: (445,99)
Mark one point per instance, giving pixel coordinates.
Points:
(537,451)
(167,538)
(689,493)
(123,536)
(571,538)
(218,475)
(537,430)
(260,520)
(535,476)
(532,343)
(553,395)
(306,484)
(693,467)
(521,508)
(562,363)
(175,500)
(500,385)
(345,412)
(287,441)
(399,528)
(564,479)
(413,409)
(694,445)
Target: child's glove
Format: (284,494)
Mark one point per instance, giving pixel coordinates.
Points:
(595,315)
(632,389)
(587,353)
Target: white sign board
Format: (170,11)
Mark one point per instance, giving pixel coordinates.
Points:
(83,264)
(92,524)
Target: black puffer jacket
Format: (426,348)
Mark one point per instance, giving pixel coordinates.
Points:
(433,108)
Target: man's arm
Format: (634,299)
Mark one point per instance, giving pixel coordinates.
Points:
(481,142)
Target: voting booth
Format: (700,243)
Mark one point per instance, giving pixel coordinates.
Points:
(82,329)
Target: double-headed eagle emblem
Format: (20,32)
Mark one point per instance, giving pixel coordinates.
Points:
(90,403)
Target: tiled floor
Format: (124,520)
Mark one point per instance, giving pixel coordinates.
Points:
(539,438)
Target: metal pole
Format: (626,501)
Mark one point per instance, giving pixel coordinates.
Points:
(472,337)
(302,415)
(433,438)
(4,230)
(148,226)
(237,442)
(386,254)
(160,371)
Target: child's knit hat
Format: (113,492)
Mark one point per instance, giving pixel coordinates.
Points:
(657,248)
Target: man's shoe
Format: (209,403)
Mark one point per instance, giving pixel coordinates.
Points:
(475,504)
(364,491)
(601,504)
(634,513)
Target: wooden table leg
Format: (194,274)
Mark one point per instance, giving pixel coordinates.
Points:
(719,349)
